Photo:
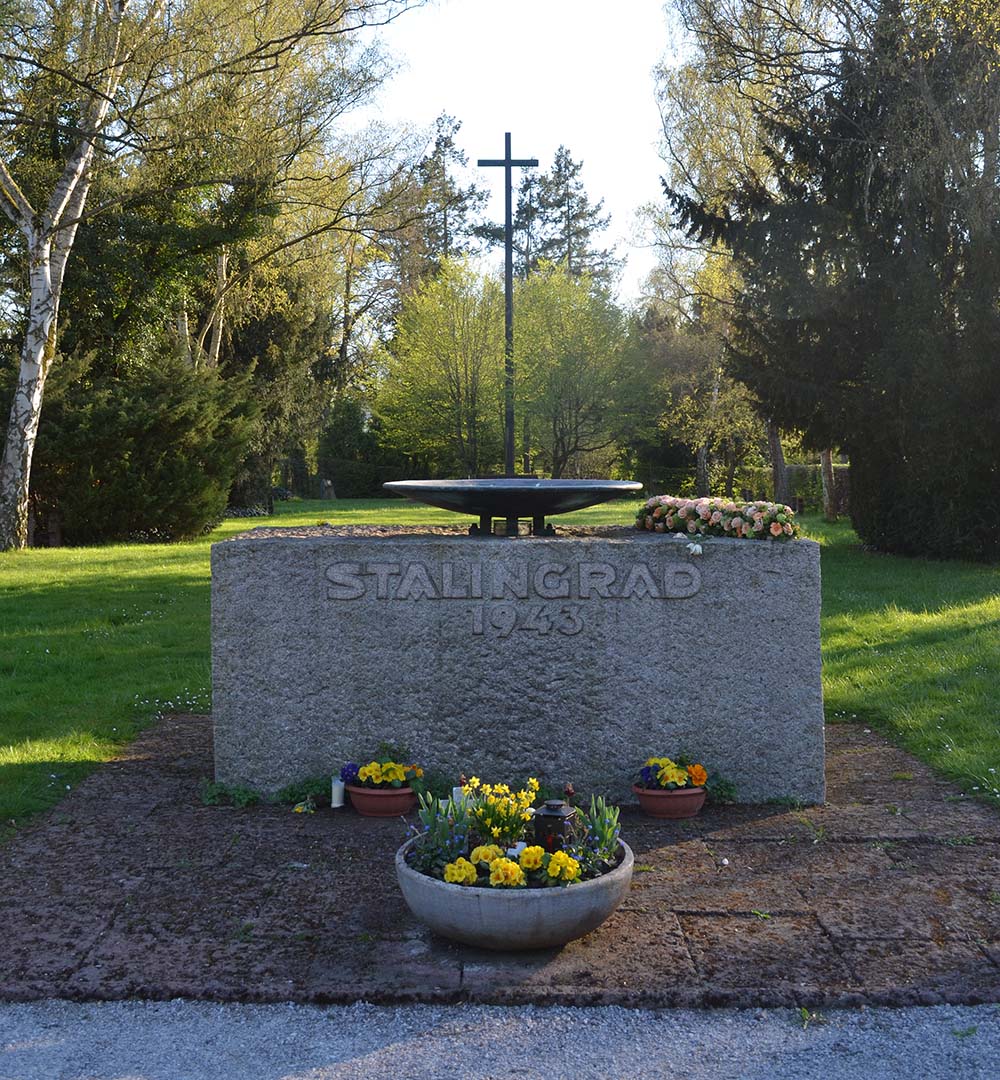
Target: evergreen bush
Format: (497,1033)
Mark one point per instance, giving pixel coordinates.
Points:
(147,455)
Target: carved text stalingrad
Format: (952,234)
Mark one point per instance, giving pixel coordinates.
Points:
(461,580)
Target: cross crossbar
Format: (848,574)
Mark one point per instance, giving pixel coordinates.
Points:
(521,163)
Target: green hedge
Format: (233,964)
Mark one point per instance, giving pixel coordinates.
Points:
(361,480)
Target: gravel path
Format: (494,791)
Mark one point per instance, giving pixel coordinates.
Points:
(183,1040)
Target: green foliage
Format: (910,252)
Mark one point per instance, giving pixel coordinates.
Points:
(597,829)
(434,782)
(650,451)
(805,482)
(213,793)
(444,834)
(555,222)
(282,331)
(678,394)
(197,126)
(361,479)
(867,315)
(568,345)
(350,454)
(149,455)
(441,211)
(810,1016)
(441,396)
(346,434)
(719,790)
(314,788)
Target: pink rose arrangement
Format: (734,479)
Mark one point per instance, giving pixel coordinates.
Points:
(718,517)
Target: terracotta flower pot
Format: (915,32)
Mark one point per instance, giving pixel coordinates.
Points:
(512,919)
(679,803)
(381,802)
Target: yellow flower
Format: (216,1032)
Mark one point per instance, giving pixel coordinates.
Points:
(371,771)
(486,853)
(672,774)
(564,866)
(392,771)
(460,872)
(417,771)
(531,857)
(506,872)
(496,831)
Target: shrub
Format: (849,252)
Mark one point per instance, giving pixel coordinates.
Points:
(150,455)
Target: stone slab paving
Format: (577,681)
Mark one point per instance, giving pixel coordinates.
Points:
(131,887)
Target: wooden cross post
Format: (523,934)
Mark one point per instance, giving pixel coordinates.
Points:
(509,163)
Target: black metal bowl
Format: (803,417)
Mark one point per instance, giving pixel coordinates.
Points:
(512,498)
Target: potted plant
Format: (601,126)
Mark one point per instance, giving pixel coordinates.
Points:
(473,875)
(670,789)
(382,788)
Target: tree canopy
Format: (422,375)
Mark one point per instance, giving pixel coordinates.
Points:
(231,104)
(867,313)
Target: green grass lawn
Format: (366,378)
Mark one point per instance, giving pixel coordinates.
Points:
(95,641)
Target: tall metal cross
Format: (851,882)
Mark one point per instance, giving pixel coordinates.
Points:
(508,163)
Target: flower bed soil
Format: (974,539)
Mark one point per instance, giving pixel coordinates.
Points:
(132,888)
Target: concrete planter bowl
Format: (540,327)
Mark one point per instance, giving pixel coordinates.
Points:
(513,919)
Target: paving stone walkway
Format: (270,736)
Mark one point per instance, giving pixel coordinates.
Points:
(889,894)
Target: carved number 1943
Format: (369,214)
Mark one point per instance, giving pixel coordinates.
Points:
(506,618)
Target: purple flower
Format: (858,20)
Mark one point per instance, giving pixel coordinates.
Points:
(349,773)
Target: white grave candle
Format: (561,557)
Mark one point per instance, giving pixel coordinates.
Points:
(457,795)
(337,793)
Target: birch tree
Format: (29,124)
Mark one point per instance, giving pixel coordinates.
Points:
(204,93)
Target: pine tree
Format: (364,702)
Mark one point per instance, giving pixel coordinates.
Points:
(555,222)
(443,213)
(564,222)
(869,311)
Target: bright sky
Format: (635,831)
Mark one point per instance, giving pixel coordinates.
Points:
(577,73)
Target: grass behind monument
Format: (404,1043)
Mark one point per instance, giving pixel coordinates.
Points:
(95,641)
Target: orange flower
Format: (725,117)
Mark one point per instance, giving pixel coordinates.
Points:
(697,774)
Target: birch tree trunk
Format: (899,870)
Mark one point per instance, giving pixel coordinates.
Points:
(49,238)
(184,337)
(701,485)
(26,407)
(48,250)
(219,315)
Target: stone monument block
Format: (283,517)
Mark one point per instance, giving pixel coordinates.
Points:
(571,658)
